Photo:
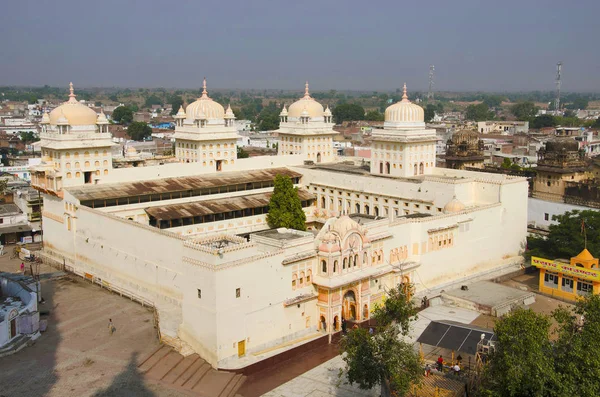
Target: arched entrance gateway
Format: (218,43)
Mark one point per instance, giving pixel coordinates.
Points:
(349,306)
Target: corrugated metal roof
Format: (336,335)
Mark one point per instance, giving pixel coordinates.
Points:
(178,184)
(217,206)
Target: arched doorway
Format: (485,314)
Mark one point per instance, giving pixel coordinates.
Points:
(323,324)
(365,312)
(349,306)
(336,323)
(421,169)
(387,167)
(318,157)
(381,168)
(416,170)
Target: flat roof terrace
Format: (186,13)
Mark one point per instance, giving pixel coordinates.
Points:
(207,211)
(99,196)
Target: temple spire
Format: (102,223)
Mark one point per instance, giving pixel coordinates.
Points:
(306,94)
(71,93)
(404,96)
(204,92)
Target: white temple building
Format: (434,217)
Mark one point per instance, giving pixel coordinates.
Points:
(191,239)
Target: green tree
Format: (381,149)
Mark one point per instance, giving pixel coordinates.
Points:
(565,239)
(384,358)
(429,112)
(138,130)
(522,363)
(176,102)
(524,110)
(479,112)
(152,100)
(506,163)
(267,120)
(123,115)
(28,136)
(544,120)
(596,123)
(285,208)
(348,112)
(493,101)
(579,103)
(374,115)
(241,153)
(577,348)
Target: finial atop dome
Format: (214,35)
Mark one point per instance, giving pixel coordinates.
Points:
(204,92)
(306,94)
(284,111)
(404,96)
(72,94)
(229,113)
(45,118)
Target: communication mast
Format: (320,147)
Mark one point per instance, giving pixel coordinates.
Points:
(431,73)
(558,73)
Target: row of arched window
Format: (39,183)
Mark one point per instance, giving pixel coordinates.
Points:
(349,263)
(78,174)
(86,164)
(210,146)
(441,241)
(299,280)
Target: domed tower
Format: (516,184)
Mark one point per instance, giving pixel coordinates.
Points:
(206,134)
(307,129)
(76,148)
(404,147)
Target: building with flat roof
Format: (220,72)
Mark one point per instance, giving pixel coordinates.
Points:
(192,239)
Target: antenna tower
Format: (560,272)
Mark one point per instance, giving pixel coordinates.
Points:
(558,75)
(431,73)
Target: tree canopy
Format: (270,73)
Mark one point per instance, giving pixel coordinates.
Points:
(544,120)
(176,102)
(480,112)
(348,112)
(493,101)
(138,131)
(565,239)
(241,153)
(524,110)
(152,100)
(123,115)
(429,112)
(285,208)
(384,358)
(531,360)
(374,115)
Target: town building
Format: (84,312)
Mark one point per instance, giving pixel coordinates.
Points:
(14,226)
(503,127)
(569,279)
(19,315)
(464,150)
(191,238)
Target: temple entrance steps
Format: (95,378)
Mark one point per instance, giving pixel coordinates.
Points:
(190,374)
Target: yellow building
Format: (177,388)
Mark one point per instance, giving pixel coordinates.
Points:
(569,280)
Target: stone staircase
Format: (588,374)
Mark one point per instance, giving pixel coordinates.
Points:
(15,345)
(190,373)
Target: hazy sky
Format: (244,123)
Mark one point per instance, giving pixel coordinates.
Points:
(364,45)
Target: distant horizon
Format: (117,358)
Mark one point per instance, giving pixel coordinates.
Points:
(509,46)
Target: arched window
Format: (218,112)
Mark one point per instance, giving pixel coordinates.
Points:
(97,163)
(324,266)
(87,164)
(350,262)
(294,280)
(68,175)
(308,276)
(323,202)
(367,209)
(344,263)
(77,164)
(357,208)
(381,168)
(68,165)
(416,170)
(105,172)
(335,266)
(421,169)
(301,279)
(387,167)
(104,153)
(365,258)
(355,260)
(376,211)
(86,154)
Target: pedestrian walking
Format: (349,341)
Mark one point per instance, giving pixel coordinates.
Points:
(440,363)
(111,327)
(22,268)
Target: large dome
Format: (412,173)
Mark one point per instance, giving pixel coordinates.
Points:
(313,108)
(204,107)
(405,113)
(73,111)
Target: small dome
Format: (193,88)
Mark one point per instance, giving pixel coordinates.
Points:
(181,113)
(329,243)
(453,206)
(327,112)
(205,108)
(584,256)
(284,111)
(102,118)
(404,114)
(229,113)
(313,108)
(45,118)
(73,112)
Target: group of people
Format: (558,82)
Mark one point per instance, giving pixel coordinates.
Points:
(440,366)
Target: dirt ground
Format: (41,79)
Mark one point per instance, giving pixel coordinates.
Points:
(77,356)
